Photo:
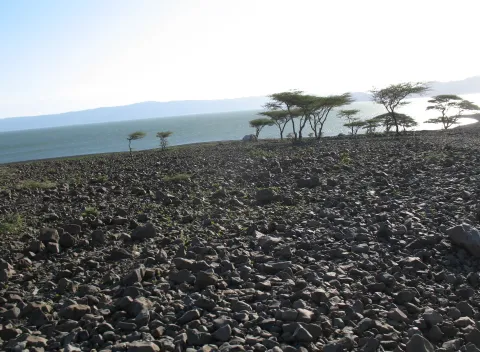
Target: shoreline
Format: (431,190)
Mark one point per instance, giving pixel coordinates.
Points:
(471,125)
(269,140)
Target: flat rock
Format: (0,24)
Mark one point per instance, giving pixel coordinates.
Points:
(418,343)
(141,346)
(74,311)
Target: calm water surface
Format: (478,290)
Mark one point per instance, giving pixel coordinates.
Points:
(111,137)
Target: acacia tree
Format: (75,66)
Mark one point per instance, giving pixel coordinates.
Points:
(287,101)
(371,125)
(406,121)
(351,119)
(385,120)
(444,104)
(133,137)
(164,138)
(393,97)
(259,124)
(305,110)
(279,118)
(355,126)
(322,106)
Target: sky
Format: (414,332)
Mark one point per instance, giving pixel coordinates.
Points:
(58,56)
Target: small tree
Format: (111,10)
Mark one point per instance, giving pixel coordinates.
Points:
(371,125)
(133,137)
(321,107)
(355,126)
(385,120)
(393,97)
(288,102)
(259,124)
(164,138)
(280,118)
(446,103)
(351,119)
(406,121)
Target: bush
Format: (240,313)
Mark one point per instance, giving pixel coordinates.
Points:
(11,223)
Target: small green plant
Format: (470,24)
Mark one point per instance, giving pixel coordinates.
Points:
(176,178)
(11,223)
(90,212)
(185,239)
(31,184)
(345,158)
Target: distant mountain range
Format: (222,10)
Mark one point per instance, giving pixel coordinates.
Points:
(153,109)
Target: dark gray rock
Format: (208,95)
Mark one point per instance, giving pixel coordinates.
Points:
(67,240)
(223,333)
(49,235)
(418,343)
(74,311)
(466,237)
(144,232)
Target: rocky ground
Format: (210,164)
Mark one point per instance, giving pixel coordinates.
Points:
(345,245)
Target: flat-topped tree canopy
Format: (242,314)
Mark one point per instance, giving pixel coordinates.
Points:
(393,96)
(259,124)
(348,114)
(275,114)
(285,99)
(133,137)
(388,121)
(136,135)
(444,104)
(164,134)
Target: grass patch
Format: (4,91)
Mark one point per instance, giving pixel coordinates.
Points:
(6,176)
(100,179)
(30,184)
(176,178)
(11,223)
(261,153)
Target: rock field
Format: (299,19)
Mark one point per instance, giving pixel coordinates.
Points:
(367,244)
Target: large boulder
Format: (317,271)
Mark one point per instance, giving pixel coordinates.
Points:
(467,237)
(144,232)
(250,138)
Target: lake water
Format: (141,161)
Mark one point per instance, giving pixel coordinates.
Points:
(111,137)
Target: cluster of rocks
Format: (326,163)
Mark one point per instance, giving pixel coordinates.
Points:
(256,247)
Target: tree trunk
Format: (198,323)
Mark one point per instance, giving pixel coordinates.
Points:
(130,145)
(397,130)
(294,130)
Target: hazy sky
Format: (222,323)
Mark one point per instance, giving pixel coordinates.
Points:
(58,55)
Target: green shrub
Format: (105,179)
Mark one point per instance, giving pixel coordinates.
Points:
(90,211)
(11,223)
